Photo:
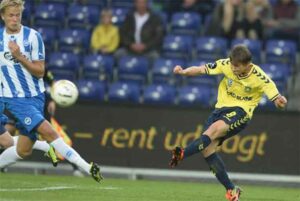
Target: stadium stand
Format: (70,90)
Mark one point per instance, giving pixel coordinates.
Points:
(65,27)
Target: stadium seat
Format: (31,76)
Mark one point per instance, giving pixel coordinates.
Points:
(85,17)
(160,94)
(133,69)
(49,35)
(255,47)
(124,92)
(64,65)
(97,3)
(177,47)
(74,40)
(49,15)
(211,48)
(195,95)
(99,67)
(162,72)
(281,51)
(185,23)
(91,90)
(128,4)
(119,15)
(211,80)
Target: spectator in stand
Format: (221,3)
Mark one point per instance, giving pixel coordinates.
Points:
(257,12)
(142,32)
(105,37)
(286,20)
(227,20)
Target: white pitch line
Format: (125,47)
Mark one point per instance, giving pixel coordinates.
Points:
(53,188)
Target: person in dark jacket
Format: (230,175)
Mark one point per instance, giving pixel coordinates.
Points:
(141,33)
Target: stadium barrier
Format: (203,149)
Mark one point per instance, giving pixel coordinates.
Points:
(143,136)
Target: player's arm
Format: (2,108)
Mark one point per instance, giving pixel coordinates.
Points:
(190,71)
(209,68)
(272,92)
(36,68)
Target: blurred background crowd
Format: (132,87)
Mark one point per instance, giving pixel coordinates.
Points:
(125,50)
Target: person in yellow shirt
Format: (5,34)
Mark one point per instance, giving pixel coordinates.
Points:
(105,37)
(239,92)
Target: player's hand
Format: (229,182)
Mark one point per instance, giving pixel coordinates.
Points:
(178,70)
(14,49)
(280,102)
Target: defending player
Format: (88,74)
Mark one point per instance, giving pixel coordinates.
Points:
(22,68)
(6,141)
(239,93)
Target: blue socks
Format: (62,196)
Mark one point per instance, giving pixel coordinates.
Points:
(217,166)
(197,146)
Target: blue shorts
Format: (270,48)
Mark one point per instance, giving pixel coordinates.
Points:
(28,112)
(235,117)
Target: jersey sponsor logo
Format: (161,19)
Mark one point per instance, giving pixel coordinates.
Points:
(212,65)
(27,120)
(8,56)
(243,98)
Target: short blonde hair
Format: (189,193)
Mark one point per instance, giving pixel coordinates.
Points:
(6,3)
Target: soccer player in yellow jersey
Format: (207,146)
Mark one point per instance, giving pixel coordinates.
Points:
(239,93)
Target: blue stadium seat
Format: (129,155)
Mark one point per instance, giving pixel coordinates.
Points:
(64,65)
(49,35)
(124,92)
(133,69)
(128,4)
(211,80)
(162,72)
(177,47)
(83,16)
(74,40)
(99,67)
(119,15)
(281,51)
(255,47)
(97,3)
(195,95)
(160,94)
(49,15)
(91,90)
(211,48)
(185,23)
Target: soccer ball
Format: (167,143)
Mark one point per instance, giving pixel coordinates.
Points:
(64,93)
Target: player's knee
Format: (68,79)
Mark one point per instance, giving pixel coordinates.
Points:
(24,153)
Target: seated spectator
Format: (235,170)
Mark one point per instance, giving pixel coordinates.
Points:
(227,19)
(105,37)
(257,13)
(142,32)
(286,20)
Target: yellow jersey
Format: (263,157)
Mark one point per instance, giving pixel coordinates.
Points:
(244,92)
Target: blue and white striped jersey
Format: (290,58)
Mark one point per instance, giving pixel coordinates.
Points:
(16,80)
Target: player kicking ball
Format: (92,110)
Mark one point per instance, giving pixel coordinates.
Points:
(239,93)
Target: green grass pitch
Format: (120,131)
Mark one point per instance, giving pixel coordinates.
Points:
(20,187)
